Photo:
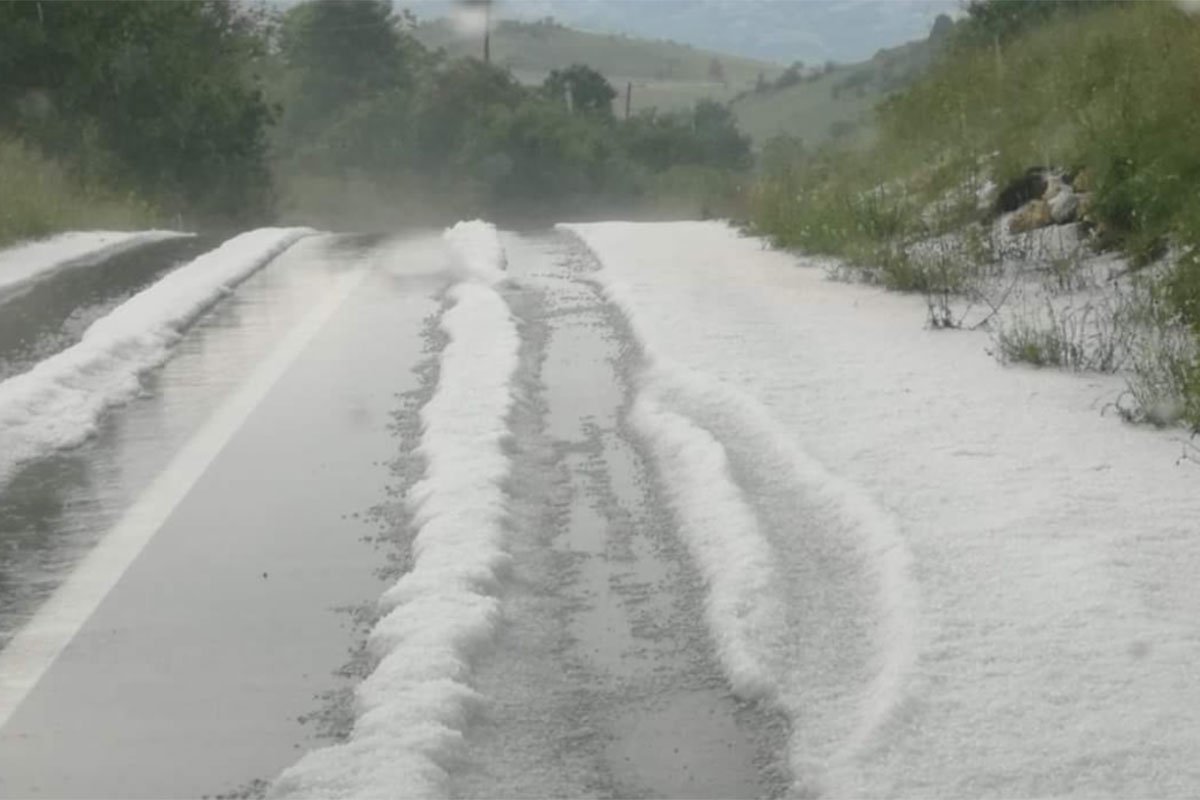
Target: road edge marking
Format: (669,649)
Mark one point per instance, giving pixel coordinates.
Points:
(38,644)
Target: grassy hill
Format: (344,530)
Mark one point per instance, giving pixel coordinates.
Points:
(815,104)
(664,74)
(1102,94)
(833,102)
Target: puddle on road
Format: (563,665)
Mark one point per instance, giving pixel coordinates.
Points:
(259,556)
(52,314)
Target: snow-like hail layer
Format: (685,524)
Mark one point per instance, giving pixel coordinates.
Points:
(724,539)
(995,596)
(26,262)
(412,709)
(480,254)
(58,403)
(758,513)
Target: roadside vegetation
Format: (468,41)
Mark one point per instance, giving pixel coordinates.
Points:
(154,104)
(665,75)
(40,197)
(367,107)
(1044,135)
(215,114)
(821,103)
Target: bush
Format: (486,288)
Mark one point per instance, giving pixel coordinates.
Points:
(50,199)
(158,98)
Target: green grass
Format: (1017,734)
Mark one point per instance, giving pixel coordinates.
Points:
(665,75)
(41,198)
(807,110)
(838,104)
(1115,93)
(1111,93)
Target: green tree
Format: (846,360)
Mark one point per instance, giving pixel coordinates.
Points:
(549,154)
(339,55)
(453,106)
(582,89)
(159,97)
(997,21)
(719,142)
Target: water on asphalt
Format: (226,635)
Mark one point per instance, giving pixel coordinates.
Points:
(50,315)
(205,670)
(231,644)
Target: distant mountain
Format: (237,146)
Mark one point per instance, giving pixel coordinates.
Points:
(772,30)
(666,75)
(816,101)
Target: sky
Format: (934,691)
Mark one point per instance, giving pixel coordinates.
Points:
(813,31)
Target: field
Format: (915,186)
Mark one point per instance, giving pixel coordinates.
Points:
(665,75)
(834,102)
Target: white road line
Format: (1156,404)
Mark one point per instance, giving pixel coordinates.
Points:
(33,650)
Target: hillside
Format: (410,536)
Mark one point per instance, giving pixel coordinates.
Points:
(665,74)
(1044,173)
(834,102)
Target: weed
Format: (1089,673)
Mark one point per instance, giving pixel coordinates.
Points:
(50,199)
(1090,338)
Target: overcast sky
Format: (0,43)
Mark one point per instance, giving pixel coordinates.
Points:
(777,30)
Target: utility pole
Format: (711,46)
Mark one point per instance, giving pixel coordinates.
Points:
(628,97)
(487,33)
(474,9)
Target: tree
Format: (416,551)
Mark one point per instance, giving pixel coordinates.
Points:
(339,54)
(720,143)
(995,22)
(453,105)
(548,153)
(707,136)
(943,26)
(157,97)
(582,89)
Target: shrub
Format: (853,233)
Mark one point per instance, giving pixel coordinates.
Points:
(50,199)
(1095,337)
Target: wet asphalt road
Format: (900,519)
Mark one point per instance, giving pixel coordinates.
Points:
(51,314)
(229,644)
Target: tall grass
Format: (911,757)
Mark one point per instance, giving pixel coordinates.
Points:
(39,197)
(1110,92)
(1115,93)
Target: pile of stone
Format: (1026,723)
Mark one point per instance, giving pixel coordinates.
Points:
(1043,197)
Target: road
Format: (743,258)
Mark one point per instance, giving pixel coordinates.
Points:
(609,510)
(229,643)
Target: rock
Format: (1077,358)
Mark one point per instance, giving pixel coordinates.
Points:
(985,196)
(1020,191)
(1034,215)
(1054,185)
(1064,205)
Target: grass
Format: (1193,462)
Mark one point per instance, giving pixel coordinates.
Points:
(1089,338)
(1111,94)
(835,105)
(665,75)
(41,198)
